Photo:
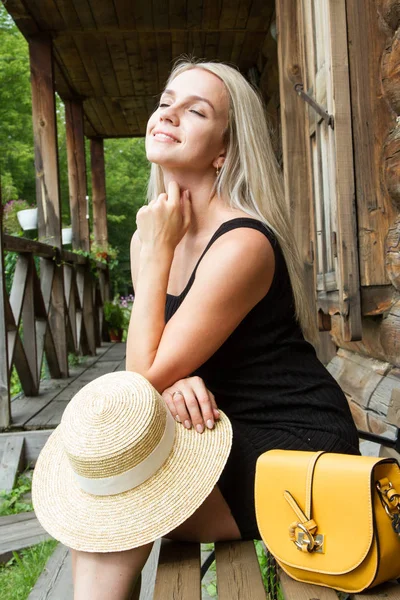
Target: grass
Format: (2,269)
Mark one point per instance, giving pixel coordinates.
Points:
(13,502)
(20,573)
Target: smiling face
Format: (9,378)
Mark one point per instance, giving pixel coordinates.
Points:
(187,129)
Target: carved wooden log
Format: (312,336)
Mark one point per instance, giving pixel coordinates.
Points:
(391,74)
(392,258)
(392,165)
(390,12)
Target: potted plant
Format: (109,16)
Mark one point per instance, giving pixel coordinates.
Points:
(66,235)
(18,214)
(28,218)
(104,253)
(115,318)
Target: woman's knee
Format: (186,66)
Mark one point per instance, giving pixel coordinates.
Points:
(100,571)
(212,521)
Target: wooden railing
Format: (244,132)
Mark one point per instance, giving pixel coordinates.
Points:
(60,309)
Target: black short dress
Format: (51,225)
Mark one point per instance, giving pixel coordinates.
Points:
(267,378)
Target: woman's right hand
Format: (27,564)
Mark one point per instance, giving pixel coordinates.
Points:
(166,219)
(191,403)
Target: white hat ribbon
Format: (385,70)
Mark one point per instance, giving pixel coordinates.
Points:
(117,484)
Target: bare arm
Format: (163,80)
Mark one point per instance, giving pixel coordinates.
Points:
(232,278)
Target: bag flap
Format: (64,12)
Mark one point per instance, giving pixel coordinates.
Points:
(332,489)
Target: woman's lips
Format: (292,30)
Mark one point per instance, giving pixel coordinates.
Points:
(162,137)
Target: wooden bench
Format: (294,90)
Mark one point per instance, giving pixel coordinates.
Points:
(238,577)
(174,573)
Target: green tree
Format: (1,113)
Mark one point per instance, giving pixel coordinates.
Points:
(127,168)
(16,135)
(127,172)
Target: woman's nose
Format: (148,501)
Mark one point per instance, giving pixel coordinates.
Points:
(169,114)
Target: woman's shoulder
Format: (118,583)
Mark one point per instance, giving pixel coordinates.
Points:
(245,230)
(239,250)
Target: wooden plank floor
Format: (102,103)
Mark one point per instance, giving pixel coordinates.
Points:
(45,410)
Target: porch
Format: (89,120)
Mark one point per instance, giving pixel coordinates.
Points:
(109,60)
(45,410)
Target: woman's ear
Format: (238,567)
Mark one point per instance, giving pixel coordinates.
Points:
(219,162)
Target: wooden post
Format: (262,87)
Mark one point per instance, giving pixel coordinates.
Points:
(98,191)
(5,402)
(298,185)
(99,204)
(47,177)
(294,137)
(77,174)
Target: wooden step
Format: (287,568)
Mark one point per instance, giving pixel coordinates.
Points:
(11,462)
(33,443)
(55,581)
(18,532)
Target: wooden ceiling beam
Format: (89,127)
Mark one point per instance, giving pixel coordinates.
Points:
(109,31)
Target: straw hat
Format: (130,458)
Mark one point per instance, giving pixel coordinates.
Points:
(119,471)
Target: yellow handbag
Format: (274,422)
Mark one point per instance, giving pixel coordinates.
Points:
(330,519)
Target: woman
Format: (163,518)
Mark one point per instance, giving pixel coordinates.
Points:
(220,313)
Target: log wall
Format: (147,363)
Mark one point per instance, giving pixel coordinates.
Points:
(369,370)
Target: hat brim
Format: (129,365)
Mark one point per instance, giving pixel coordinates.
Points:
(124,521)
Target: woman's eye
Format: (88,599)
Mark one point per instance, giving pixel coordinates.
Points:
(161,105)
(197,113)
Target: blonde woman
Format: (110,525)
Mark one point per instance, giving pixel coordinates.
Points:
(220,317)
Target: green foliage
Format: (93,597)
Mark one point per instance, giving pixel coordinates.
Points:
(15,384)
(127,168)
(12,503)
(20,573)
(10,260)
(75,360)
(10,220)
(16,132)
(114,315)
(267,569)
(127,172)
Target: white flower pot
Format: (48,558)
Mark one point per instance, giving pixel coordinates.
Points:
(28,218)
(66,235)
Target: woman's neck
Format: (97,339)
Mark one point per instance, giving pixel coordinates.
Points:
(206,210)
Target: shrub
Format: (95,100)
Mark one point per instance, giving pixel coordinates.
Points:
(10,221)
(114,315)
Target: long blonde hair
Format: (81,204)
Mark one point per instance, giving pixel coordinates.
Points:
(250,177)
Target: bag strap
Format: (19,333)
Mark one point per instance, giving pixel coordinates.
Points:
(305,522)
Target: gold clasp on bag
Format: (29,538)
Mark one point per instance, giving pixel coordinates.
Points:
(308,542)
(390,500)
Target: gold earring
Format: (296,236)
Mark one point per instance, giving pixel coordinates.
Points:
(217,171)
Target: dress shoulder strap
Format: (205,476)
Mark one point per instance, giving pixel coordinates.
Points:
(228,226)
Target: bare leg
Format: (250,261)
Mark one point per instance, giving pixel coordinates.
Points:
(136,591)
(113,575)
(101,576)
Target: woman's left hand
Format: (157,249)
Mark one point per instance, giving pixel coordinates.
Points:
(190,402)
(164,221)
